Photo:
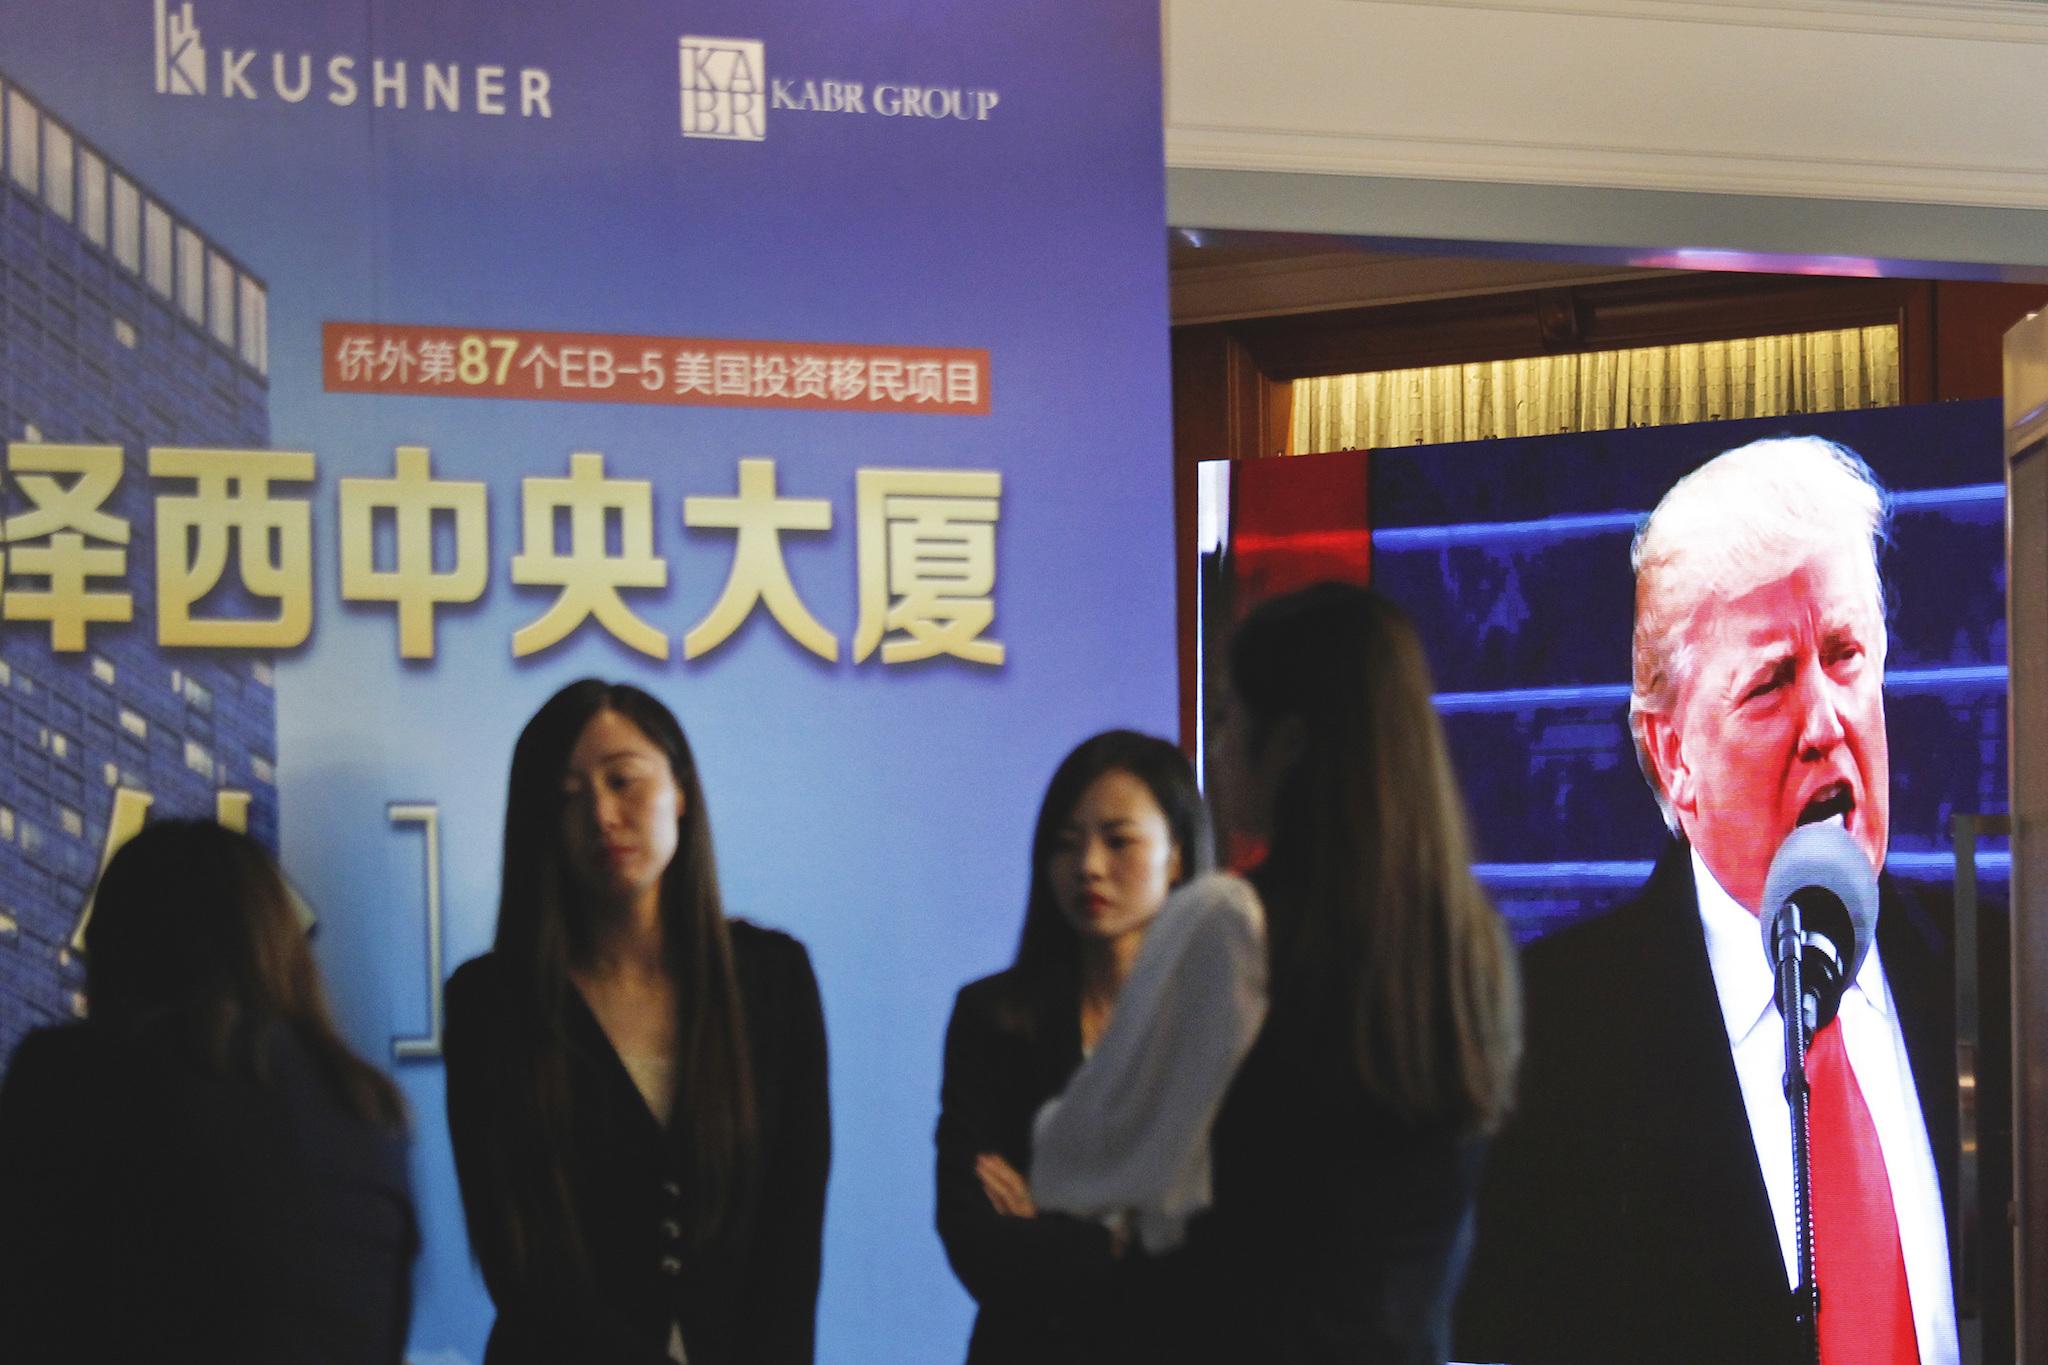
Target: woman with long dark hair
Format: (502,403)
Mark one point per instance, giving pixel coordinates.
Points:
(1121,826)
(636,1084)
(201,1170)
(1347,1153)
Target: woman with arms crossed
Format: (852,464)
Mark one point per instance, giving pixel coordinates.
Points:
(636,1085)
(1121,825)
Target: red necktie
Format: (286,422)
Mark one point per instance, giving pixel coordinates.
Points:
(1866,1315)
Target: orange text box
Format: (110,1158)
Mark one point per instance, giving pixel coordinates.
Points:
(591,367)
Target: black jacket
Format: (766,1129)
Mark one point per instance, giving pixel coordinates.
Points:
(1339,1232)
(151,1210)
(1624,1216)
(750,1296)
(1050,1288)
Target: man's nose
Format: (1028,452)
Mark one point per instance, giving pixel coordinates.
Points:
(1820,721)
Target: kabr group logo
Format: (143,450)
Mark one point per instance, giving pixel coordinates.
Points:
(180,59)
(727,93)
(724,88)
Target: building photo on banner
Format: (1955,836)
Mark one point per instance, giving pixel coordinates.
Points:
(371,371)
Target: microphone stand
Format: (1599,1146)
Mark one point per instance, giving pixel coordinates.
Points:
(1793,1005)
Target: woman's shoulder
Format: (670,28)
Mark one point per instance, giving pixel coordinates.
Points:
(758,948)
(484,985)
(85,1076)
(779,997)
(71,1100)
(774,968)
(52,1041)
(61,1054)
(1015,999)
(86,1054)
(997,989)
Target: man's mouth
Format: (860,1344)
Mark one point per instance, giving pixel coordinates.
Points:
(1830,801)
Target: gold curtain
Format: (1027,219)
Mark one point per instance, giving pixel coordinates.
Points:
(1855,367)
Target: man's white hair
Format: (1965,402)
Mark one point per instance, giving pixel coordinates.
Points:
(1742,519)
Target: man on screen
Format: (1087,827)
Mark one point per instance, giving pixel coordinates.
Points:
(1640,1205)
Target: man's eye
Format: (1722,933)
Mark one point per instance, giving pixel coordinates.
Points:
(1771,682)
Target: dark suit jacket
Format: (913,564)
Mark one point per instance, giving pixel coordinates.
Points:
(1050,1288)
(151,1210)
(1624,1216)
(750,1296)
(1338,1231)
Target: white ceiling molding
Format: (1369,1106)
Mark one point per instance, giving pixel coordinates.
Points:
(2007,21)
(1904,101)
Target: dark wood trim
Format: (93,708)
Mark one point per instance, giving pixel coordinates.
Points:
(1224,408)
(1222,398)
(1918,343)
(1663,311)
(1971,318)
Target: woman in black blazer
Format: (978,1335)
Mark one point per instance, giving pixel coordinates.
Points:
(201,1171)
(1121,824)
(636,1085)
(1347,1151)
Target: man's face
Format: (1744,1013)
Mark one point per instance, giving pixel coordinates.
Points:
(1781,721)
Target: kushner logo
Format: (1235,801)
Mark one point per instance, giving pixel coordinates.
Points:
(180,60)
(431,87)
(723,95)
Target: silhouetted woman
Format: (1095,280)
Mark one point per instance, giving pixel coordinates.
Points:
(1348,1149)
(636,1084)
(201,1170)
(1121,825)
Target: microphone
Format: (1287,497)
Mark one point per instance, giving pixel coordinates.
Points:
(1820,902)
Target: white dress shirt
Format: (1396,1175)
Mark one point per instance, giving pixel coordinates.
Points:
(1877,1056)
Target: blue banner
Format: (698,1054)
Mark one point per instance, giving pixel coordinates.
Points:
(371,370)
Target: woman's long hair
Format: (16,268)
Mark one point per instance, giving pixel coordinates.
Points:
(545,926)
(193,944)
(1373,913)
(1048,939)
